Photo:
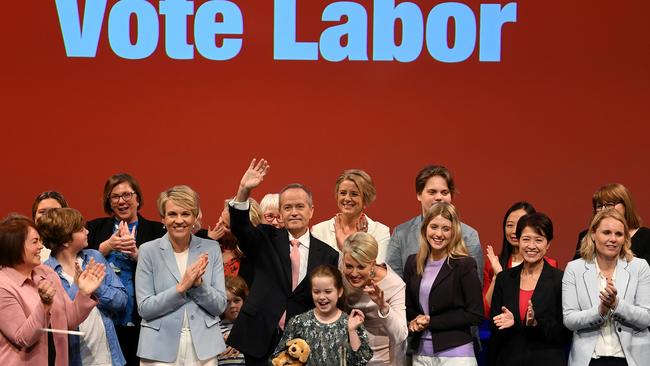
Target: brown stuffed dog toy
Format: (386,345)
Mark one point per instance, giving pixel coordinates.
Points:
(296,354)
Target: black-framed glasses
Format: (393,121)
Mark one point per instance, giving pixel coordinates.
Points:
(126,196)
(606,205)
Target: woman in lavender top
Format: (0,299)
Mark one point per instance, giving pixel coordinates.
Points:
(443,292)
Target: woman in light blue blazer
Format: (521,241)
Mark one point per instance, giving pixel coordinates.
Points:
(180,288)
(606,297)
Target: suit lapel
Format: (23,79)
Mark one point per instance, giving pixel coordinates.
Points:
(313,258)
(168,257)
(590,277)
(194,251)
(281,243)
(514,290)
(140,231)
(542,290)
(445,271)
(622,278)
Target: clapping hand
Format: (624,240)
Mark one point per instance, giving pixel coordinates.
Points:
(123,240)
(90,279)
(355,319)
(494,260)
(128,237)
(420,323)
(193,276)
(530,315)
(46,292)
(505,319)
(608,299)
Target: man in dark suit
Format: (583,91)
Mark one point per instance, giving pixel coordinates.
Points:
(282,259)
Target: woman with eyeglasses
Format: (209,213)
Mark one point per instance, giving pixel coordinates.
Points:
(118,237)
(270,206)
(354,192)
(616,196)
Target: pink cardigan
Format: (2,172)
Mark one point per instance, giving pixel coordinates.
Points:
(22,316)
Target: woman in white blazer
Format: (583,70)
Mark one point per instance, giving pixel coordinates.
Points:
(606,297)
(354,192)
(180,288)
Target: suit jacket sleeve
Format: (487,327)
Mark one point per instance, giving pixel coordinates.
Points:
(211,297)
(394,254)
(475,251)
(636,315)
(574,317)
(249,236)
(395,321)
(411,280)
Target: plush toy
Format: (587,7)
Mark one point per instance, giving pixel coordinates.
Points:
(296,354)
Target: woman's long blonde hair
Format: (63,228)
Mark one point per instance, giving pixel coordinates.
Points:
(456,247)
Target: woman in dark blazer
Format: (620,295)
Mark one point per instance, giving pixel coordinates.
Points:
(617,196)
(443,292)
(118,237)
(526,307)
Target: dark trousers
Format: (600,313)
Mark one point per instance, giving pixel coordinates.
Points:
(264,361)
(128,337)
(608,361)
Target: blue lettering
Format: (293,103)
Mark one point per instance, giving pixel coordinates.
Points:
(205,29)
(119,29)
(176,12)
(356,28)
(285,46)
(385,15)
(81,41)
(465,30)
(492,19)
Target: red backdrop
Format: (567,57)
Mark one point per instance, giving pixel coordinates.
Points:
(565,111)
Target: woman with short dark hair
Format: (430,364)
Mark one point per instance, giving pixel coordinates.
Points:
(526,307)
(510,255)
(32,299)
